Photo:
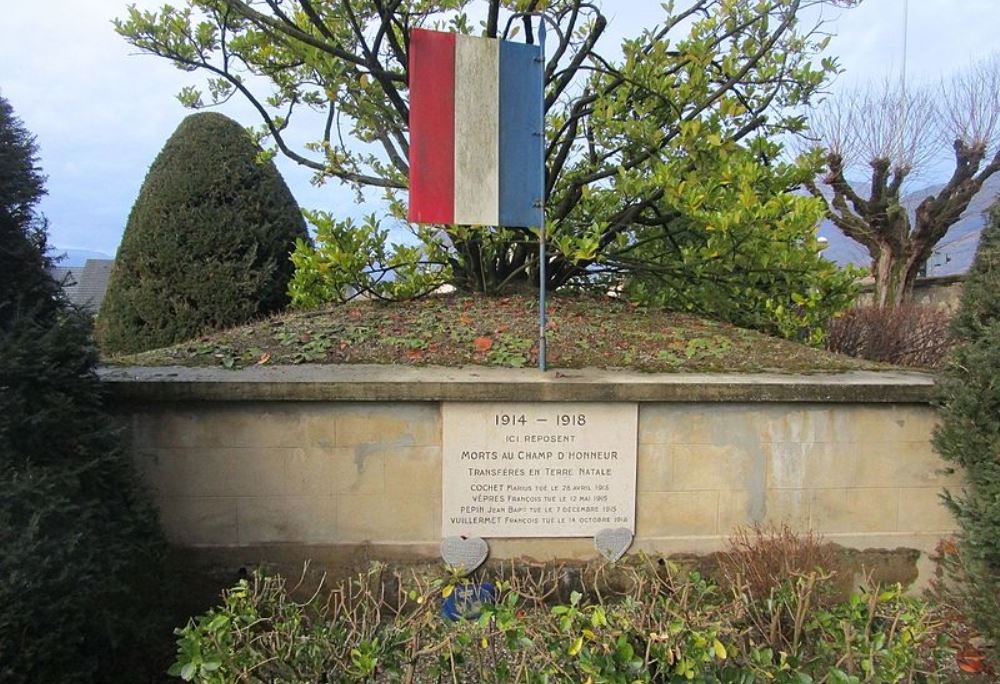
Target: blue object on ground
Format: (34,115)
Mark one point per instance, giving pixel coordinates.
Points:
(466,601)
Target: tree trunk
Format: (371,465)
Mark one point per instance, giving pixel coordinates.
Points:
(895,271)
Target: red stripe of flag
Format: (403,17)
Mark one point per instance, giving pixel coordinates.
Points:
(432,126)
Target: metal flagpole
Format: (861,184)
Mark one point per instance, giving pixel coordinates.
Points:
(541,204)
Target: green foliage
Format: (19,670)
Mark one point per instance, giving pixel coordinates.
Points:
(207,242)
(666,143)
(741,248)
(657,625)
(21,181)
(969,436)
(79,545)
(346,261)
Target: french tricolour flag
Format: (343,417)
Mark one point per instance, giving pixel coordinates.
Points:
(476,154)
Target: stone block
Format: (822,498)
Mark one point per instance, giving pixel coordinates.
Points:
(705,466)
(199,521)
(387,425)
(906,464)
(922,511)
(798,424)
(742,508)
(576,548)
(324,471)
(264,424)
(410,470)
(718,424)
(798,465)
(673,514)
(415,517)
(287,519)
(871,510)
(319,424)
(684,546)
(217,471)
(654,468)
(883,423)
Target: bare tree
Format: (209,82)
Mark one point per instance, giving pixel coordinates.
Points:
(896,134)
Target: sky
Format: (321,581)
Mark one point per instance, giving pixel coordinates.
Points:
(101,112)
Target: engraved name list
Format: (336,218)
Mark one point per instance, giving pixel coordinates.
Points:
(538,469)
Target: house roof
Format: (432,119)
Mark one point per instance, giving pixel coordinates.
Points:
(85,286)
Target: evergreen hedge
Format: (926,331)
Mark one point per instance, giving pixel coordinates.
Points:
(80,549)
(207,243)
(969,435)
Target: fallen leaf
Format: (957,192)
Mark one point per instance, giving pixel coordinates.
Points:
(467,304)
(502,327)
(354,314)
(465,320)
(414,354)
(971,664)
(970,660)
(344,345)
(264,358)
(483,344)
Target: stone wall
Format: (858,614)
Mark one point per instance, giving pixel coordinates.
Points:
(265,476)
(942,292)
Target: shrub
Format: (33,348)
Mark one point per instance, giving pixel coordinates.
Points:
(659,626)
(909,335)
(969,436)
(78,542)
(758,559)
(207,243)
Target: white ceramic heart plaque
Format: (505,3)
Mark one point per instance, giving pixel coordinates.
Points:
(613,542)
(464,553)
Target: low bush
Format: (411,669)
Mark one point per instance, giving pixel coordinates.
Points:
(911,335)
(757,559)
(657,625)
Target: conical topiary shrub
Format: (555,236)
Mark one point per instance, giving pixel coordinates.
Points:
(969,436)
(207,243)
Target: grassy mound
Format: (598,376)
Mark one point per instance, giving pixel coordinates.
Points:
(455,330)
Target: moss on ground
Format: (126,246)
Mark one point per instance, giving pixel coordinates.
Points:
(455,330)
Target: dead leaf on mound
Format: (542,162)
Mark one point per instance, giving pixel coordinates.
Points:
(483,344)
(464,320)
(264,358)
(414,354)
(970,660)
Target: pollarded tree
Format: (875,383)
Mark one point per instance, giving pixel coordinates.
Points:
(707,74)
(79,544)
(896,134)
(207,242)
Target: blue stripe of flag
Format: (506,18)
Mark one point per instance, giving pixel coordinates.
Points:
(521,147)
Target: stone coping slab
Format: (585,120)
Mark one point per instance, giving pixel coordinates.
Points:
(476,383)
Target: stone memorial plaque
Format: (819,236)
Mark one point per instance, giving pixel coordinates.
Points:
(538,469)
